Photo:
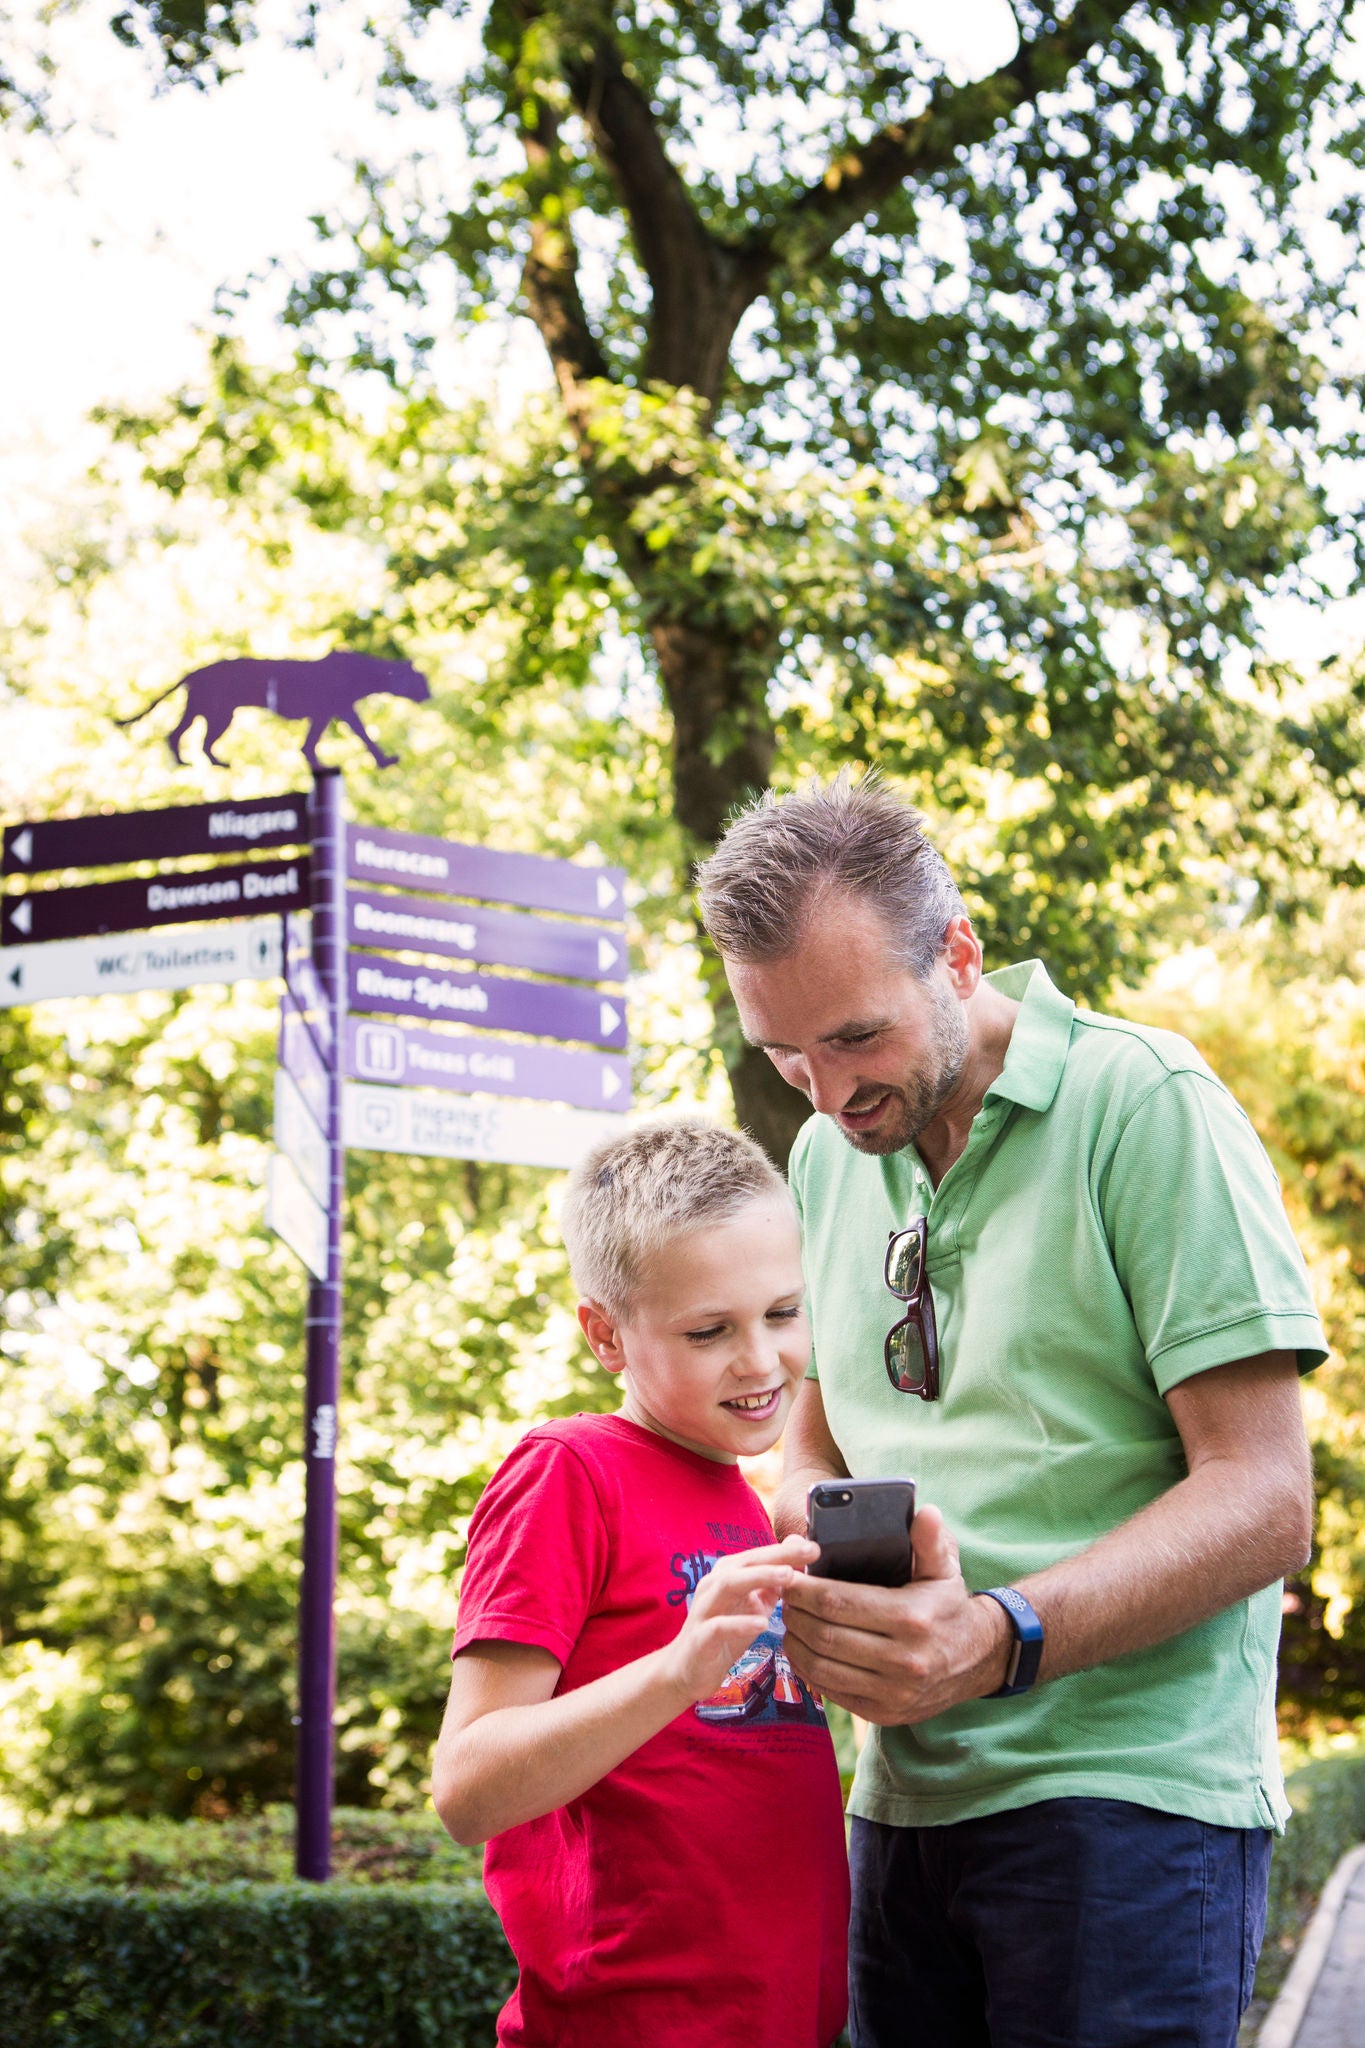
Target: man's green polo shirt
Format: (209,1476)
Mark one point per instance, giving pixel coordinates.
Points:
(1112,1227)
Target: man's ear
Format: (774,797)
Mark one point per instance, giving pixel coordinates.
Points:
(603,1335)
(963,950)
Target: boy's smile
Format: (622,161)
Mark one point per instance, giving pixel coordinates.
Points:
(715,1343)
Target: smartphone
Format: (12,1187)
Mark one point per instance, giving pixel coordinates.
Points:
(863,1529)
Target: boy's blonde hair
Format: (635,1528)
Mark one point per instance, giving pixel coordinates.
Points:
(633,1194)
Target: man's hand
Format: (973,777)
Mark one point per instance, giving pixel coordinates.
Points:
(730,1608)
(899,1654)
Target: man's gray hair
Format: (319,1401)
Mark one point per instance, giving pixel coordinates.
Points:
(782,855)
(632,1195)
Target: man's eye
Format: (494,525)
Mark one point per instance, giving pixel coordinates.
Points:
(857,1038)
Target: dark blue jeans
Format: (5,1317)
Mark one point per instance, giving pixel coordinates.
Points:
(1076,1923)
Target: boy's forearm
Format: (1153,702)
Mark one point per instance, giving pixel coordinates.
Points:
(516,1763)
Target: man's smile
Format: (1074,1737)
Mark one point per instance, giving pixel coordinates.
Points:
(857,1117)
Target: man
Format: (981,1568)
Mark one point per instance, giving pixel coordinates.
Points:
(1089,1362)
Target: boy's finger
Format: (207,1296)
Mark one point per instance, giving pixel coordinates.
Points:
(795,1551)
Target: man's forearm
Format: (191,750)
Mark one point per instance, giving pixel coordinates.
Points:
(1240,1519)
(1203,1546)
(789,1506)
(810,1455)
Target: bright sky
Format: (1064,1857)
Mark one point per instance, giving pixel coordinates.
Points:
(117,237)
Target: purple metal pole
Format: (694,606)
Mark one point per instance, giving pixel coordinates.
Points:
(317,1634)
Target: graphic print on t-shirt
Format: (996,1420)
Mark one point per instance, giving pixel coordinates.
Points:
(761,1685)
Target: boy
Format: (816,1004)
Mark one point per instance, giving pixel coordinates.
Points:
(657,1789)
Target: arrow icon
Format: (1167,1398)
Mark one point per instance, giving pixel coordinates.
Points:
(21,915)
(606,893)
(610,1084)
(610,1019)
(16,979)
(21,846)
(607,955)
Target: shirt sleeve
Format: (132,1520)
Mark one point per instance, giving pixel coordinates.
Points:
(537,1558)
(1201,1241)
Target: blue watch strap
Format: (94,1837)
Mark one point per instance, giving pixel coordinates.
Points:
(1028,1641)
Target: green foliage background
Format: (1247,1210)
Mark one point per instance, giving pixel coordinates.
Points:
(997,492)
(150,1394)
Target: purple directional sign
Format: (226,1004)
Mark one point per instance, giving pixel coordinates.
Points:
(542,1008)
(502,938)
(451,868)
(176,896)
(488,1066)
(96,842)
(301,1060)
(303,982)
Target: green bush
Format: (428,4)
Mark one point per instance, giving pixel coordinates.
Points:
(368,1847)
(311,1966)
(1328,1799)
(186,1934)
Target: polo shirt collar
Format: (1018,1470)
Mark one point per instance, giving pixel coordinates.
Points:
(1038,1044)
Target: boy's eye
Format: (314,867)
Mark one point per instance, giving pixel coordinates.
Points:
(784,1315)
(705,1336)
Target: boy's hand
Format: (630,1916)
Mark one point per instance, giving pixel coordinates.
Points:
(729,1608)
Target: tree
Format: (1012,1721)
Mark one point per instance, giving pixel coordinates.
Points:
(973,419)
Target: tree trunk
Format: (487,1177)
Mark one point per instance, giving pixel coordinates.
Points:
(723,748)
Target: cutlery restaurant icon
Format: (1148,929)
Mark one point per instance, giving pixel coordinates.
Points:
(321,691)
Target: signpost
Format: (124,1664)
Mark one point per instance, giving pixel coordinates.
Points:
(451,868)
(549,1007)
(248,950)
(342,1079)
(120,837)
(492,1066)
(495,938)
(176,896)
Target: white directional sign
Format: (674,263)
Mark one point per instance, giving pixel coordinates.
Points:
(456,1127)
(292,1214)
(247,951)
(298,1137)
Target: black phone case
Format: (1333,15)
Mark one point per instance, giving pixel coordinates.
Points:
(866,1539)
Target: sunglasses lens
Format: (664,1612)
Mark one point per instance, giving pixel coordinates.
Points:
(903,1263)
(905,1356)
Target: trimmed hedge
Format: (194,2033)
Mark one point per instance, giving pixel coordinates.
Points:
(310,1966)
(111,1938)
(1328,1799)
(369,1846)
(193,1934)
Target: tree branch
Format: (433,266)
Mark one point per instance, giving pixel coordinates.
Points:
(550,281)
(857,182)
(700,285)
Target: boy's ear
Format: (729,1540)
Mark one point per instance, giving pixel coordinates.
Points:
(603,1335)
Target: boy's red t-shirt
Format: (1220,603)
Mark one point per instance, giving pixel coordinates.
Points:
(698,1892)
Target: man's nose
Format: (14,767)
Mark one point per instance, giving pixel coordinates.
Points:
(828,1087)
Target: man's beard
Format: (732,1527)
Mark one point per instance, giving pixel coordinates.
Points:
(918,1100)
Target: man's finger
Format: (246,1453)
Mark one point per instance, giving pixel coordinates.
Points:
(853,1646)
(882,1610)
(934,1549)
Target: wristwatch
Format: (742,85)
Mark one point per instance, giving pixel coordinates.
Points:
(1027,1653)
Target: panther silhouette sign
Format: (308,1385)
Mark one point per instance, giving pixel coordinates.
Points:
(320,691)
